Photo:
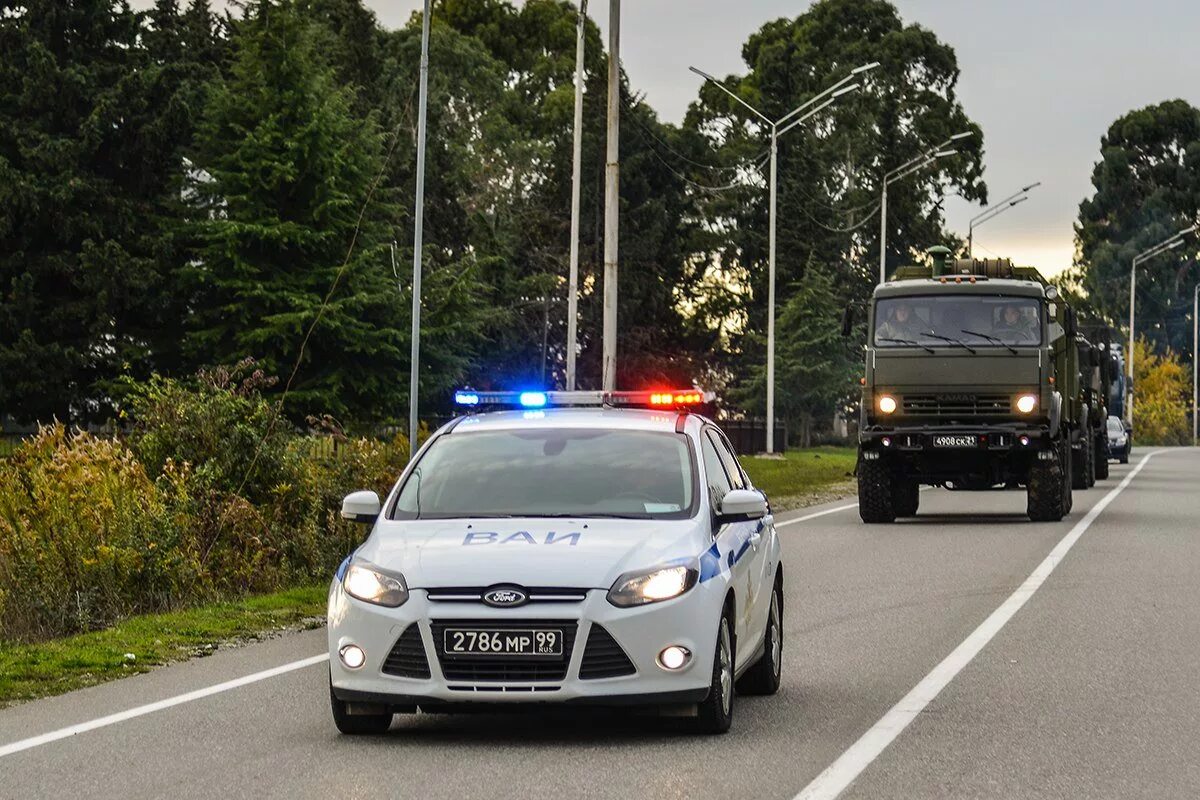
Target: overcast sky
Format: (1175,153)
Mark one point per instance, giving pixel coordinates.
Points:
(1044,78)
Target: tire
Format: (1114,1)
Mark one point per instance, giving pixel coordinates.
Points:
(907,497)
(715,714)
(875,502)
(1046,491)
(356,724)
(1078,464)
(1068,480)
(1090,463)
(1101,457)
(764,677)
(1124,459)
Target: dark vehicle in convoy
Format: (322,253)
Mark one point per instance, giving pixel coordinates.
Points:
(1120,440)
(975,378)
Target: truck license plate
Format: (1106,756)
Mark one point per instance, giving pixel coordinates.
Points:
(956,441)
(514,642)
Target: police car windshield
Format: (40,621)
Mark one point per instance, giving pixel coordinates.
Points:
(549,472)
(973,321)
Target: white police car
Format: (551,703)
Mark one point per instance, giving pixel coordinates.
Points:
(578,550)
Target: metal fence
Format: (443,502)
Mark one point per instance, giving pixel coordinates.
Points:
(749,436)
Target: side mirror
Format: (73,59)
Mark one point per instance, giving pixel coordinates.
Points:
(742,505)
(847,321)
(361,507)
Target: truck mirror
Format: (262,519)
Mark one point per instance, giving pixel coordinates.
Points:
(847,320)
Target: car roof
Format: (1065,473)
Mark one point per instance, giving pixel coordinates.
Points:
(590,417)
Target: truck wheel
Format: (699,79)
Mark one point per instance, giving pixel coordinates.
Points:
(1046,491)
(1068,480)
(1079,458)
(875,503)
(1101,456)
(907,497)
(1090,463)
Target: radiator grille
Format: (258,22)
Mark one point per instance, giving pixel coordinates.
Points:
(957,405)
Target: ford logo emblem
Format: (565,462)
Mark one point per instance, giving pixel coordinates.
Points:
(506,596)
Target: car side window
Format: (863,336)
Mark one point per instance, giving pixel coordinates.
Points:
(732,468)
(714,471)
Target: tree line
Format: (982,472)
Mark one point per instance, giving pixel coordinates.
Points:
(181,188)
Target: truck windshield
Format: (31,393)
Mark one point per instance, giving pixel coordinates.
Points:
(551,472)
(973,320)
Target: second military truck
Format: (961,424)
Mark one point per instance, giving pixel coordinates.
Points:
(975,378)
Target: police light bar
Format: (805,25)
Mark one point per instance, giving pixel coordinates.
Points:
(657,398)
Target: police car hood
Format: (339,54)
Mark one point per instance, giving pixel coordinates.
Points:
(574,553)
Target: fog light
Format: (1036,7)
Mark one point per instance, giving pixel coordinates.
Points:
(674,657)
(886,441)
(352,656)
(1024,441)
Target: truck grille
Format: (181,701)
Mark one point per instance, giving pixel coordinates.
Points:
(504,668)
(957,405)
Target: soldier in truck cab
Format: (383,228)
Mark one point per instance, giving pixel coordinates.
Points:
(1015,325)
(901,323)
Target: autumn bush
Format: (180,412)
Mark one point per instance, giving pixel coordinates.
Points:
(1162,398)
(207,496)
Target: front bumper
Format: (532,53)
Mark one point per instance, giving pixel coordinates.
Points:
(689,621)
(990,438)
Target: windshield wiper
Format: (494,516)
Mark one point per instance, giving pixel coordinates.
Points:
(951,340)
(991,338)
(903,341)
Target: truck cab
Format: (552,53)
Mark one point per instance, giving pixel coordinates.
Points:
(971,381)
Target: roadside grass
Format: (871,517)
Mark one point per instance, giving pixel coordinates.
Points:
(42,669)
(803,477)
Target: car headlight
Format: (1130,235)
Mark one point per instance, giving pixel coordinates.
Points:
(652,585)
(1026,403)
(887,404)
(374,585)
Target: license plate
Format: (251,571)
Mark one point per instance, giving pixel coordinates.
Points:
(509,642)
(956,441)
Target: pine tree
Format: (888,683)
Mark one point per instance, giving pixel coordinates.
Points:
(283,173)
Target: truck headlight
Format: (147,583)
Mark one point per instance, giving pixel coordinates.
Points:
(374,585)
(652,585)
(1026,403)
(887,404)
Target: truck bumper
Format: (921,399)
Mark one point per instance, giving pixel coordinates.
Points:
(988,454)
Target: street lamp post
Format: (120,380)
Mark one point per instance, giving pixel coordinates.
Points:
(576,162)
(418,223)
(901,172)
(995,210)
(1170,243)
(778,128)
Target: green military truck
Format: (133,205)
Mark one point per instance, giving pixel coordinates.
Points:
(973,380)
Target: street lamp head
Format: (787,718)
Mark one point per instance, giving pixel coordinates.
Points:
(846,90)
(962,135)
(1018,201)
(1031,186)
(944,153)
(703,74)
(864,68)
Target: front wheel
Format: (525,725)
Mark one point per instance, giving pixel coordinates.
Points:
(876,502)
(715,714)
(1101,457)
(1049,487)
(764,677)
(356,724)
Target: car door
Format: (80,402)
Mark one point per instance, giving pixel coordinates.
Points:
(761,554)
(735,545)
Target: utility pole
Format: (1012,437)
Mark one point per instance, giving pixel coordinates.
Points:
(995,210)
(576,168)
(419,218)
(1170,243)
(829,96)
(901,172)
(612,198)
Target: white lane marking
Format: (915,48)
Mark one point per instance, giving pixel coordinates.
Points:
(816,514)
(850,764)
(150,708)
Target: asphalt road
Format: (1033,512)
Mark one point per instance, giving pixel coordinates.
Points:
(1088,690)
